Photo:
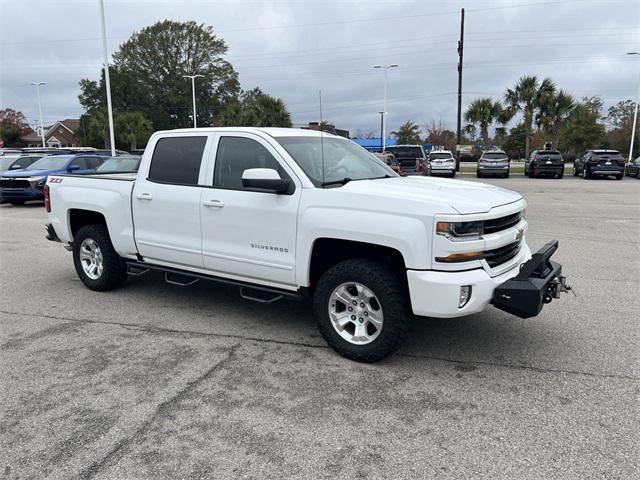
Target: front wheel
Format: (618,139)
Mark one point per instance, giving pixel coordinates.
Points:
(362,309)
(97,264)
(531,172)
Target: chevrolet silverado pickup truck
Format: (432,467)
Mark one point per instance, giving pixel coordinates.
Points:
(297,213)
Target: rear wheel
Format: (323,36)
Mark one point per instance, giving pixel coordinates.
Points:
(453,174)
(17,202)
(619,177)
(531,172)
(478,174)
(362,309)
(506,175)
(575,172)
(585,173)
(97,264)
(560,175)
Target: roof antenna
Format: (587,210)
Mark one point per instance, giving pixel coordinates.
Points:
(321,136)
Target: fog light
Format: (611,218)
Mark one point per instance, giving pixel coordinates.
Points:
(465,295)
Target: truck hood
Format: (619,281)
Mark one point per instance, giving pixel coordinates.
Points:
(462,196)
(31,173)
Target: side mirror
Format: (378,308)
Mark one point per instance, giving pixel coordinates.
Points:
(266,179)
(15,167)
(71,168)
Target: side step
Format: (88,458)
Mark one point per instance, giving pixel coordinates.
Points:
(248,291)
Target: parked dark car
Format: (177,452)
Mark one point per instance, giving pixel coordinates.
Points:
(17,161)
(632,169)
(599,163)
(544,163)
(19,186)
(411,158)
(123,164)
(493,162)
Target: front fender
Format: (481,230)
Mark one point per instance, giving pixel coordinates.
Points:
(410,236)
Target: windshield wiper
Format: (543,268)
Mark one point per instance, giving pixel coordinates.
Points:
(344,181)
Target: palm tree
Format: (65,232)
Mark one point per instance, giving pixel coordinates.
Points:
(526,97)
(553,113)
(132,127)
(483,112)
(99,122)
(407,134)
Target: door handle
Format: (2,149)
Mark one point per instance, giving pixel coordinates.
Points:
(144,196)
(213,203)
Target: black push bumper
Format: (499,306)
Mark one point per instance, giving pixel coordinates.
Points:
(540,281)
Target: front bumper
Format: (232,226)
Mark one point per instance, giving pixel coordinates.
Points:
(8,194)
(520,290)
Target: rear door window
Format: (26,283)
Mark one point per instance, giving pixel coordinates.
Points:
(177,160)
(552,154)
(440,156)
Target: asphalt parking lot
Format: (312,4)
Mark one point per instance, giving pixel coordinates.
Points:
(157,381)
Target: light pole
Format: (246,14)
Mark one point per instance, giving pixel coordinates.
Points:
(38,85)
(384,108)
(193,94)
(635,114)
(106,80)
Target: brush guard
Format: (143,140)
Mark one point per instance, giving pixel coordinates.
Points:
(539,281)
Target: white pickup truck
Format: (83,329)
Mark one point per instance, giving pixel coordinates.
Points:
(288,212)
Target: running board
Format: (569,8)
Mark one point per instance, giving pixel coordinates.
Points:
(248,291)
(259,295)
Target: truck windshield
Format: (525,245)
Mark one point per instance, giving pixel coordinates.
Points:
(343,159)
(52,162)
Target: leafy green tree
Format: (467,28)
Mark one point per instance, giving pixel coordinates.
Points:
(583,128)
(255,109)
(514,142)
(98,125)
(483,112)
(525,97)
(620,116)
(131,128)
(407,134)
(554,109)
(13,125)
(148,69)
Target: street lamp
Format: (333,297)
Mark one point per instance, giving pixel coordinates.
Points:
(38,85)
(106,80)
(384,108)
(635,114)
(193,94)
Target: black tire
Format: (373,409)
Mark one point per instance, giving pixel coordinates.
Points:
(506,175)
(575,172)
(531,172)
(114,271)
(393,297)
(585,173)
(560,175)
(453,174)
(17,202)
(619,177)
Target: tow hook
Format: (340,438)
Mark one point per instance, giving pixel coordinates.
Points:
(556,287)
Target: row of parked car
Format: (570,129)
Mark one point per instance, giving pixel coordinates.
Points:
(23,174)
(412,160)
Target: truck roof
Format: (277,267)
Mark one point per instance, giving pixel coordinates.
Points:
(272,131)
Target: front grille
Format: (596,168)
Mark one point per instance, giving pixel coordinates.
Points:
(6,183)
(498,256)
(498,224)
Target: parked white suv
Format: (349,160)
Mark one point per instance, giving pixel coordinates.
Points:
(287,212)
(442,162)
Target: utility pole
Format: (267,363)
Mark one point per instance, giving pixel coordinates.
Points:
(112,142)
(459,123)
(193,95)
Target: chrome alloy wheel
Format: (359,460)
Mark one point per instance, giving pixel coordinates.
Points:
(91,258)
(355,313)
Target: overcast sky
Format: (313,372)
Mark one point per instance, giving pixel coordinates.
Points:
(294,48)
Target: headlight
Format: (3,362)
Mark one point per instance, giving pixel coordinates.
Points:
(460,229)
(38,181)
